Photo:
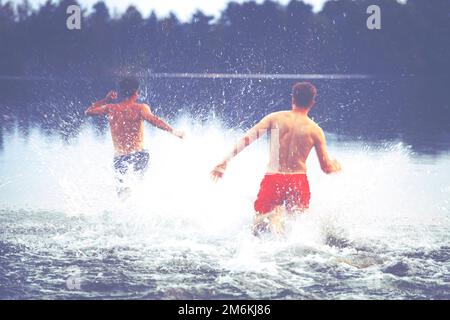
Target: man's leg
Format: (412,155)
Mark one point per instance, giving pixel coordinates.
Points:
(297,200)
(121,166)
(269,213)
(140,163)
(272,222)
(136,164)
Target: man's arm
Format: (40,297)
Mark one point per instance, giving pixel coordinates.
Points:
(100,107)
(326,164)
(147,114)
(251,136)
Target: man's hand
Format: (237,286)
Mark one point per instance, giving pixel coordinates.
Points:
(179,133)
(99,108)
(336,166)
(112,95)
(218,171)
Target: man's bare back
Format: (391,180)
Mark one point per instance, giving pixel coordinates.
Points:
(292,137)
(127,127)
(126,121)
(295,134)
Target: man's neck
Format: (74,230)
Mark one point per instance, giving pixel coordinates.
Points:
(301,111)
(131,100)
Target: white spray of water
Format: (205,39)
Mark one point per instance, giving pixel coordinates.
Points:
(385,197)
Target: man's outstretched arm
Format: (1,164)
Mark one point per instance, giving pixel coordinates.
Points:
(100,108)
(251,136)
(159,123)
(326,164)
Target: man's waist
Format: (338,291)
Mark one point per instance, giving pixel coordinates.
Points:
(283,173)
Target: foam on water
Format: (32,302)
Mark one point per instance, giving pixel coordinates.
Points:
(378,229)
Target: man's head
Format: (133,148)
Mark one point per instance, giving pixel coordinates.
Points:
(128,87)
(303,95)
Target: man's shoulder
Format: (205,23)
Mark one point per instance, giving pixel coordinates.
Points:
(142,106)
(277,114)
(115,107)
(108,106)
(314,124)
(316,130)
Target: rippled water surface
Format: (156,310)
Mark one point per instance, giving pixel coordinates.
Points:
(378,230)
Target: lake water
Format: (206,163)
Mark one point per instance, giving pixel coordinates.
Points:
(378,230)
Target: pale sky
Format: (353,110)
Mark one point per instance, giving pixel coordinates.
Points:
(182,8)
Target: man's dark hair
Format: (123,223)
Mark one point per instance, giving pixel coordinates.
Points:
(128,87)
(303,94)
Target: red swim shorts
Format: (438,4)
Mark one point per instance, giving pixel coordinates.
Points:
(277,189)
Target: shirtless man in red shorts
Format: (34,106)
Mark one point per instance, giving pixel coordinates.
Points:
(292,137)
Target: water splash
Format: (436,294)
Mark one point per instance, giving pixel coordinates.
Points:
(380,226)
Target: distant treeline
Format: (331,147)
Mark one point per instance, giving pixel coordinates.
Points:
(409,58)
(247,37)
